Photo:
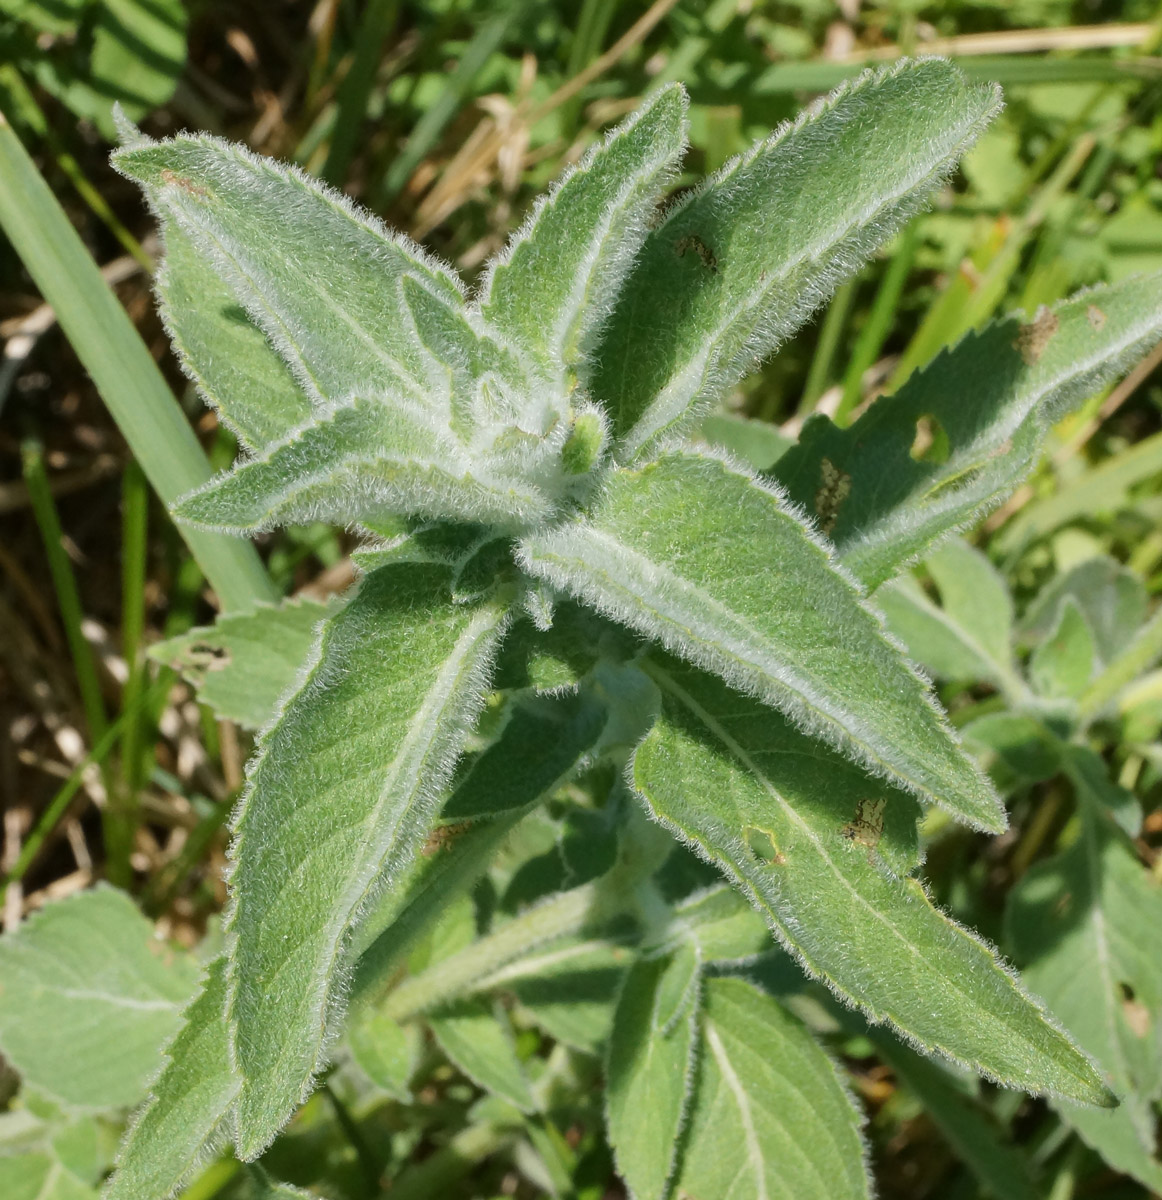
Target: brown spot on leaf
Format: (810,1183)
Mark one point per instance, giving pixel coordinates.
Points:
(443,836)
(181,181)
(691,242)
(1095,317)
(1033,338)
(868,826)
(1136,1013)
(831,495)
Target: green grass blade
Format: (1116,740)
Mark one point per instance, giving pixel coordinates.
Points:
(114,355)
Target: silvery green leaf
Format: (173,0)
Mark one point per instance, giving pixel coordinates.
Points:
(477,1037)
(740,264)
(186,1118)
(236,369)
(993,396)
(555,284)
(650,1068)
(1063,663)
(245,663)
(88,996)
(40,1176)
(967,635)
(319,277)
(1087,924)
(721,924)
(771,1117)
(762,804)
(1110,596)
(698,556)
(340,797)
(386,1051)
(366,460)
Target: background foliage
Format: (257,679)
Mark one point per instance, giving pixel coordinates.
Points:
(447,118)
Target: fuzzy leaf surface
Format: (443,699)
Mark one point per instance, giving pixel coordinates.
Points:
(993,395)
(364,462)
(760,802)
(88,995)
(1088,924)
(186,1118)
(740,265)
(245,663)
(650,1067)
(321,279)
(557,280)
(770,1117)
(341,795)
(698,556)
(227,355)
(386,1051)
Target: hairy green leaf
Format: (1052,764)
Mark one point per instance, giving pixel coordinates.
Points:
(88,995)
(734,269)
(478,1039)
(322,280)
(762,804)
(650,1067)
(366,461)
(993,396)
(340,797)
(771,1117)
(1062,665)
(387,1051)
(1088,924)
(245,663)
(554,286)
(696,555)
(186,1118)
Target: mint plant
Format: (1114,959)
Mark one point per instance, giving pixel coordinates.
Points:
(569,604)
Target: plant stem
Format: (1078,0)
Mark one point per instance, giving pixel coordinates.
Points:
(565,913)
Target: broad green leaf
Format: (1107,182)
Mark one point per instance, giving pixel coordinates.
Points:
(992,397)
(186,1117)
(975,596)
(719,772)
(367,460)
(650,1068)
(757,443)
(387,1052)
(738,266)
(40,1177)
(138,53)
(698,556)
(1016,747)
(88,995)
(771,1117)
(340,798)
(245,663)
(1110,596)
(1002,1168)
(478,1039)
(1090,775)
(722,925)
(568,988)
(555,284)
(1062,664)
(320,278)
(544,741)
(1088,926)
(236,369)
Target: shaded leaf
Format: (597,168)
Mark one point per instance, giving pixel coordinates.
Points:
(340,798)
(993,406)
(1088,925)
(479,1041)
(696,555)
(387,1051)
(1062,664)
(719,772)
(739,265)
